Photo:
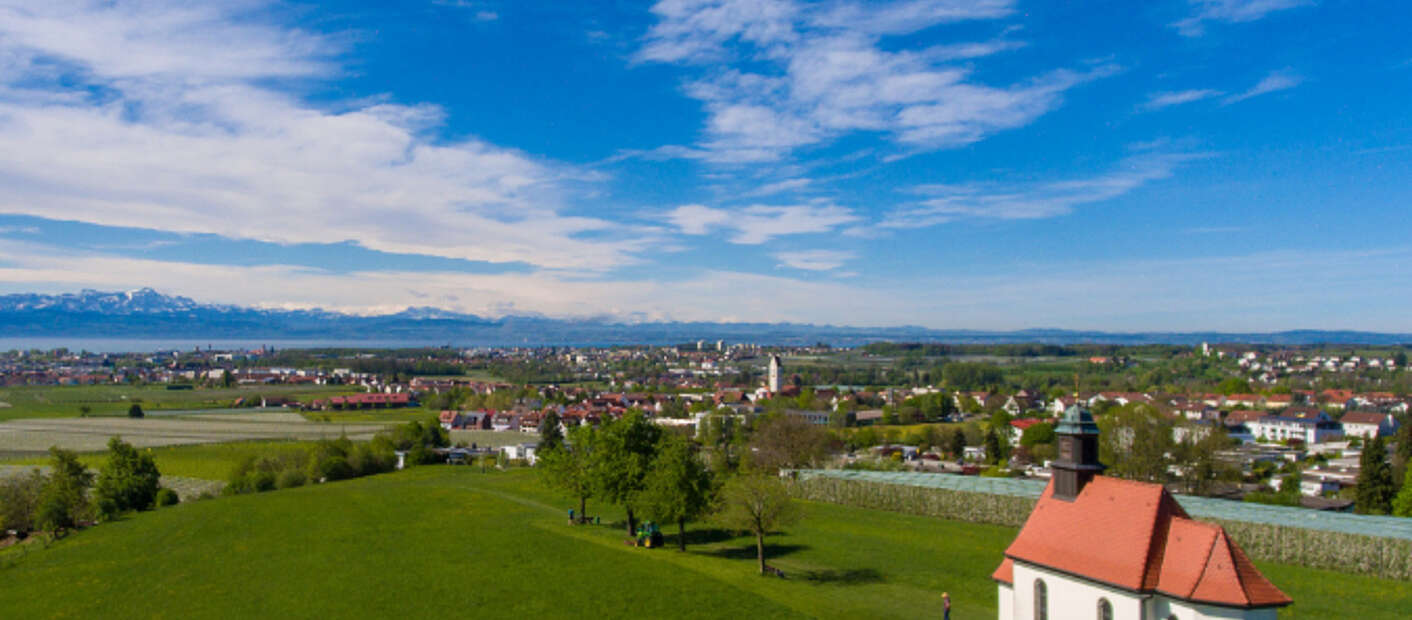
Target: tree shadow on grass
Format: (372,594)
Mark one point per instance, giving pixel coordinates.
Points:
(707,536)
(847,577)
(748,552)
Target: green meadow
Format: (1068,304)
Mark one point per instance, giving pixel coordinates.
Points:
(68,401)
(453,541)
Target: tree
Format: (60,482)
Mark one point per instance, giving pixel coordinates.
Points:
(135,411)
(992,447)
(842,418)
(958,442)
(569,467)
(621,458)
(551,433)
(64,500)
(128,481)
(1197,460)
(1375,485)
(680,487)
(1135,441)
(1233,385)
(758,504)
(19,500)
(1402,504)
(1036,434)
(1402,455)
(787,441)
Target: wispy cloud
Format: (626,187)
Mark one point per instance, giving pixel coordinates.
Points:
(777,75)
(185,131)
(1161,100)
(947,203)
(1277,81)
(1230,11)
(815,260)
(758,224)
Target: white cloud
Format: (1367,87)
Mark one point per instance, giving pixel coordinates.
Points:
(186,135)
(1166,99)
(783,75)
(945,203)
(757,224)
(815,260)
(1277,81)
(787,185)
(1231,11)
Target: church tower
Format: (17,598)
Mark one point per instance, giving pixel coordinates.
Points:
(775,369)
(1077,464)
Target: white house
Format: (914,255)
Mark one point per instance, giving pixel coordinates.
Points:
(1100,547)
(1315,428)
(1369,424)
(524,451)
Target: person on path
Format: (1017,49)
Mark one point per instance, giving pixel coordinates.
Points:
(945,606)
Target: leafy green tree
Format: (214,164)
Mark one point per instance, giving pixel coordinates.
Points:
(64,499)
(1135,441)
(1375,485)
(569,467)
(135,411)
(621,457)
(128,480)
(758,504)
(993,449)
(679,487)
(1402,504)
(551,433)
(1233,385)
(1036,434)
(1402,454)
(1200,467)
(19,500)
(787,441)
(842,418)
(957,442)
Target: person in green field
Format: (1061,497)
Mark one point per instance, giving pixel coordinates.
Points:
(945,606)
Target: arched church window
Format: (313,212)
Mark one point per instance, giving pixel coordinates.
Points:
(1041,600)
(1105,609)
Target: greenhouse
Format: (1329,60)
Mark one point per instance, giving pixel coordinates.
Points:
(1199,507)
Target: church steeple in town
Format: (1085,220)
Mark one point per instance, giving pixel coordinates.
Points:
(1077,464)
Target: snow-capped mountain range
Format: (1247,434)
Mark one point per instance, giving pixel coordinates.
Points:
(147,313)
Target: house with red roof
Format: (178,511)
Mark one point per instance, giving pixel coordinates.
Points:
(1101,547)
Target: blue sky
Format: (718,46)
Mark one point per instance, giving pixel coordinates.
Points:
(991,164)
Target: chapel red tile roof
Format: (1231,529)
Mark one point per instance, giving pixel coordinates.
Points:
(1149,544)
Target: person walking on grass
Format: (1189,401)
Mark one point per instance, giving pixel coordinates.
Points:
(945,606)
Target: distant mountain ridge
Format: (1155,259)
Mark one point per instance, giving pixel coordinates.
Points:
(146,313)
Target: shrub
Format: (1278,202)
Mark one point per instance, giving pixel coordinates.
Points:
(167,497)
(128,481)
(290,478)
(135,411)
(333,467)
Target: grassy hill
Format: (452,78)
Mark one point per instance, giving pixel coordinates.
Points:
(453,541)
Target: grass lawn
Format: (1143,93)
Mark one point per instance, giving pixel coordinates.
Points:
(450,540)
(207,461)
(65,400)
(405,414)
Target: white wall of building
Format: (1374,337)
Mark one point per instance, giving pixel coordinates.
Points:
(1071,598)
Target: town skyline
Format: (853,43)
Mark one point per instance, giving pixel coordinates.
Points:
(989,165)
